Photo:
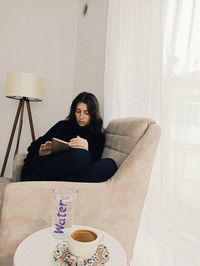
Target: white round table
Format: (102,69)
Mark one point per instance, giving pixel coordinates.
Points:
(37,249)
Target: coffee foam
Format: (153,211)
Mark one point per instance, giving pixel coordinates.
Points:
(84,235)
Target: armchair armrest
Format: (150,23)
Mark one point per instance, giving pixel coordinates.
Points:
(27,207)
(17,166)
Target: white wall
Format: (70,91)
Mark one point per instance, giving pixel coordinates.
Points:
(90,53)
(54,40)
(37,36)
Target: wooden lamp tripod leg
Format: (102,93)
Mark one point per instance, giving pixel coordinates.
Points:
(30,119)
(19,112)
(12,136)
(20,127)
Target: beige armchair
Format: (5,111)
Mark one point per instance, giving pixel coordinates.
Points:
(114,206)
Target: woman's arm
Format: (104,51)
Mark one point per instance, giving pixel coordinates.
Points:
(45,148)
(79,143)
(96,145)
(35,146)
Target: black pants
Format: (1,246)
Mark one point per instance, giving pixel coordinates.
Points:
(75,165)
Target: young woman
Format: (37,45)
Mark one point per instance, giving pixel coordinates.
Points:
(81,163)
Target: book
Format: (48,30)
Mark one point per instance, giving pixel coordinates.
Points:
(59,145)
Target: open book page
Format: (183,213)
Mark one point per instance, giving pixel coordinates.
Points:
(59,145)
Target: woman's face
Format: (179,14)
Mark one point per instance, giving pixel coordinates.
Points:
(82,115)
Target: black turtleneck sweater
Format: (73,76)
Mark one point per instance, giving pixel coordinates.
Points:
(64,131)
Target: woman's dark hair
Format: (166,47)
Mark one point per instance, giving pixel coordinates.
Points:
(92,103)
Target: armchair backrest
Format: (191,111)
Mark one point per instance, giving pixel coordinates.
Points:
(122,135)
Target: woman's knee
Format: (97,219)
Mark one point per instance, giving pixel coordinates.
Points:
(80,156)
(104,169)
(109,165)
(98,171)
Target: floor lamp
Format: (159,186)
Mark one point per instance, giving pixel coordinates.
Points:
(24,87)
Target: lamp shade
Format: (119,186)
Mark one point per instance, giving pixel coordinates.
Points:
(24,85)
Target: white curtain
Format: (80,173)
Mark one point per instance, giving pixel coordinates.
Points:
(153,69)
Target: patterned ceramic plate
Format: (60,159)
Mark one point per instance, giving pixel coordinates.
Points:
(63,257)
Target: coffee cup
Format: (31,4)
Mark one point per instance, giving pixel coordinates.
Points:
(84,242)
